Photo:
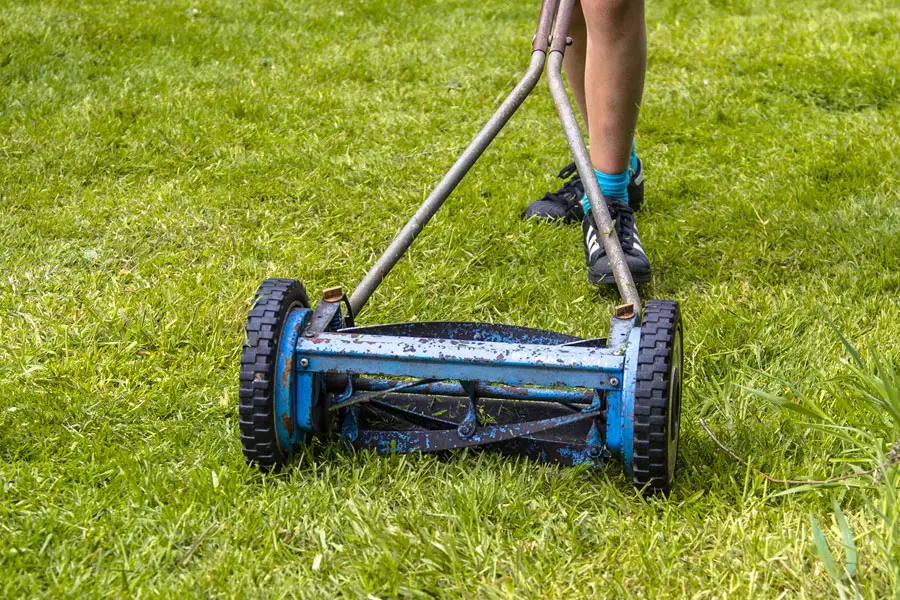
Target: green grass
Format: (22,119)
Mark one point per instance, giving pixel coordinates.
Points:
(159,159)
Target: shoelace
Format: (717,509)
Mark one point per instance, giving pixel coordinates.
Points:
(571,191)
(567,171)
(622,217)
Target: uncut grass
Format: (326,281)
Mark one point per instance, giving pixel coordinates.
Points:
(161,159)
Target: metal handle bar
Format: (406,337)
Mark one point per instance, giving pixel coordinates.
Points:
(403,240)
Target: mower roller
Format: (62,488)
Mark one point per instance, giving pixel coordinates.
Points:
(433,386)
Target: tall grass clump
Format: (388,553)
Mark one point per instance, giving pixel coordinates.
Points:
(861,415)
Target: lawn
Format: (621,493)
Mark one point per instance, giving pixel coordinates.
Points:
(158,160)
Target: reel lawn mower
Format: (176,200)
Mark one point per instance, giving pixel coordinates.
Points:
(433,386)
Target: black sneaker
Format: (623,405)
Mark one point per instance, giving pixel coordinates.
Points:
(562,205)
(599,270)
(565,203)
(636,187)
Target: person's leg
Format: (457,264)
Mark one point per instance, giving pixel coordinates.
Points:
(574,60)
(621,27)
(615,64)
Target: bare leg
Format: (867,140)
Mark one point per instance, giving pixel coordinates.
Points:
(574,59)
(605,67)
(615,63)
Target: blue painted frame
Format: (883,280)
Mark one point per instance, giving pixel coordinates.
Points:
(565,370)
(289,396)
(629,381)
(442,359)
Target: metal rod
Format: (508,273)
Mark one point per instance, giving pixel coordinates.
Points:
(411,230)
(545,22)
(561,26)
(614,253)
(368,396)
(446,439)
(512,364)
(412,417)
(500,392)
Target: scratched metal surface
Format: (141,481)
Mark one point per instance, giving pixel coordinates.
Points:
(475,332)
(420,440)
(443,359)
(512,389)
(498,391)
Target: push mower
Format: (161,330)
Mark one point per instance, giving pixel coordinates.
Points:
(434,386)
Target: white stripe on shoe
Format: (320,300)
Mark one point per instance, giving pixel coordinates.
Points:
(593,243)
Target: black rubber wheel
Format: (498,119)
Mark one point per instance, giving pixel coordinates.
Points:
(657,397)
(273,300)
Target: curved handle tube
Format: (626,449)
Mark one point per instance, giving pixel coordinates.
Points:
(411,230)
(545,22)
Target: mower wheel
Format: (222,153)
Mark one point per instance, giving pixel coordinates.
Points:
(657,397)
(273,301)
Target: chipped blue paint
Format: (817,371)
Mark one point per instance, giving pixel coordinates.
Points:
(537,374)
(446,439)
(628,385)
(350,428)
(469,425)
(614,422)
(619,331)
(286,413)
(476,332)
(574,456)
(424,358)
(310,392)
(595,440)
(337,321)
(546,450)
(502,392)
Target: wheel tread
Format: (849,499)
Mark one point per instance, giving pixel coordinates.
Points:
(650,473)
(256,391)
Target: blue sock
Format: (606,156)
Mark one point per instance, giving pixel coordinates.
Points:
(615,185)
(612,186)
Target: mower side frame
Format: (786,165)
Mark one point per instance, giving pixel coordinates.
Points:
(558,383)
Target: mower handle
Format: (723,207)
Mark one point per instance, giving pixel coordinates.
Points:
(550,13)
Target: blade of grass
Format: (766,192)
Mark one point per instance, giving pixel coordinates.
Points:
(850,554)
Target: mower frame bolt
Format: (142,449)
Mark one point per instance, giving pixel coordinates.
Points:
(614,381)
(465,431)
(594,451)
(624,311)
(304,362)
(333,294)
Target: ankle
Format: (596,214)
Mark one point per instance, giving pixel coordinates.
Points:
(612,185)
